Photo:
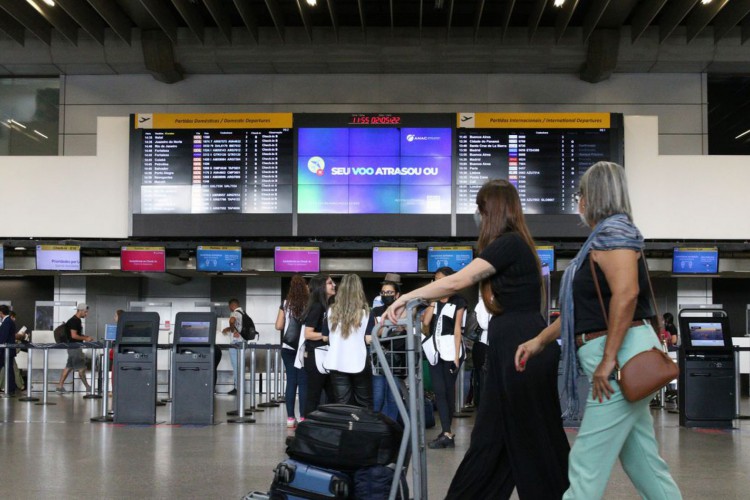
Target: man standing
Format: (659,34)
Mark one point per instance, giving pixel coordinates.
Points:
(234,328)
(76,360)
(7,336)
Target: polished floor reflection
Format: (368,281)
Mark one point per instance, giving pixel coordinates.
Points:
(56,452)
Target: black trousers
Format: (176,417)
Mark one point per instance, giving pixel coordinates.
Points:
(316,383)
(217,360)
(478,355)
(353,388)
(11,388)
(444,385)
(518,439)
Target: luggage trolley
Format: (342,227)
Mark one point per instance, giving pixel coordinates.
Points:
(413,440)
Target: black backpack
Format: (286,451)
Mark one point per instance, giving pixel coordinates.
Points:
(248,331)
(61,333)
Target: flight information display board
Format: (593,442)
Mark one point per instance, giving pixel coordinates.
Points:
(212,163)
(543,155)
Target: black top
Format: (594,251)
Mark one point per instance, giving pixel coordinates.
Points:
(317,319)
(76,324)
(588,311)
(517,282)
(449,323)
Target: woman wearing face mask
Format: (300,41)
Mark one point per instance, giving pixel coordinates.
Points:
(518,439)
(322,291)
(383,398)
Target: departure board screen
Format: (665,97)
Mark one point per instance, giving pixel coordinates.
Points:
(212,164)
(543,155)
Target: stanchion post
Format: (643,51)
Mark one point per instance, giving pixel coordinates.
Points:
(253,406)
(44,382)
(281,371)
(268,403)
(29,371)
(92,388)
(8,368)
(104,417)
(242,417)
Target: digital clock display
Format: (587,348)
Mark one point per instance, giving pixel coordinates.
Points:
(375,120)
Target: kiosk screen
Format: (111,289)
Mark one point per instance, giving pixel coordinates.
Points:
(194,332)
(706,334)
(137,332)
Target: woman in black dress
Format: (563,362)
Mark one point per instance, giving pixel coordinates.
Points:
(518,440)
(315,334)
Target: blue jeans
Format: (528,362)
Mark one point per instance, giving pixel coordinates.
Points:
(383,400)
(234,357)
(296,378)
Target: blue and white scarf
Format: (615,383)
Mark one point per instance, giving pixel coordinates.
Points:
(614,232)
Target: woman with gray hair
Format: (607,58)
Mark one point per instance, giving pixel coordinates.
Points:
(612,426)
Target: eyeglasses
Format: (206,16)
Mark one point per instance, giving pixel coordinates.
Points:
(387,293)
(577,196)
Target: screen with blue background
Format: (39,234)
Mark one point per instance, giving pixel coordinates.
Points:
(219,259)
(374,170)
(547,256)
(2,257)
(695,261)
(454,257)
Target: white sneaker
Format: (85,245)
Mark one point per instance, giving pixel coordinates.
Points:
(291,423)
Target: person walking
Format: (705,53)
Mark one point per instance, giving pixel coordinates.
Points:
(76,360)
(612,260)
(518,439)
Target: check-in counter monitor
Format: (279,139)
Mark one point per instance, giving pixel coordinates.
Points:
(707,372)
(193,368)
(135,368)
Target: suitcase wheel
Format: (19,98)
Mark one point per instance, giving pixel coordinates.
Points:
(340,488)
(283,473)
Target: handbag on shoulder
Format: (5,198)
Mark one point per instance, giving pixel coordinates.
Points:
(650,370)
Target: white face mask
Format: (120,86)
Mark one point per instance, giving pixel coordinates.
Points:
(478,218)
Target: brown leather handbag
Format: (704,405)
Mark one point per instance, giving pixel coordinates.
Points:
(648,371)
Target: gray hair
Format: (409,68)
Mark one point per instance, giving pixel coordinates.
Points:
(605,190)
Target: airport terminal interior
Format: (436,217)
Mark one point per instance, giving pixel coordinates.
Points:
(161,158)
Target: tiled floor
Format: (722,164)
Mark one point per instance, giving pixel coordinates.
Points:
(56,452)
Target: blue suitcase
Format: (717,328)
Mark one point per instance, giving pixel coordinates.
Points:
(296,480)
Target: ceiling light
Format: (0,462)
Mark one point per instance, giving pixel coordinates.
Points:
(41,134)
(20,249)
(743,134)
(559,3)
(705,2)
(17,123)
(51,3)
(312,3)
(35,6)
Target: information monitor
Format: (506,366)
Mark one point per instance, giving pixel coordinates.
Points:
(707,332)
(219,259)
(695,261)
(58,258)
(211,174)
(454,257)
(542,154)
(296,260)
(395,260)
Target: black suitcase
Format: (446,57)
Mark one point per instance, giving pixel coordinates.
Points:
(346,437)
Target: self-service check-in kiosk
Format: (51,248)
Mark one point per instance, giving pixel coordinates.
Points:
(707,370)
(193,368)
(135,368)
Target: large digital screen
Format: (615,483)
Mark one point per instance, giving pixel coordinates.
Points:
(546,256)
(542,154)
(454,257)
(212,163)
(374,164)
(706,334)
(695,261)
(296,260)
(143,259)
(195,332)
(58,258)
(219,259)
(395,260)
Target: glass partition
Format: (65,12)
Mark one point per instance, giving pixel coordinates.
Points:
(30,116)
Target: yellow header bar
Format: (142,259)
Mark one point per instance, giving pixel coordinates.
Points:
(297,248)
(64,248)
(533,120)
(212,120)
(236,249)
(141,249)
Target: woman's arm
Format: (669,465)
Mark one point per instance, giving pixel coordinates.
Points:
(280,320)
(534,346)
(477,270)
(429,313)
(620,268)
(457,327)
(311,334)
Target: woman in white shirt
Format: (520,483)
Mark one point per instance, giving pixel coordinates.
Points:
(347,360)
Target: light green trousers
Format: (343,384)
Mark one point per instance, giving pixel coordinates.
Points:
(618,428)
